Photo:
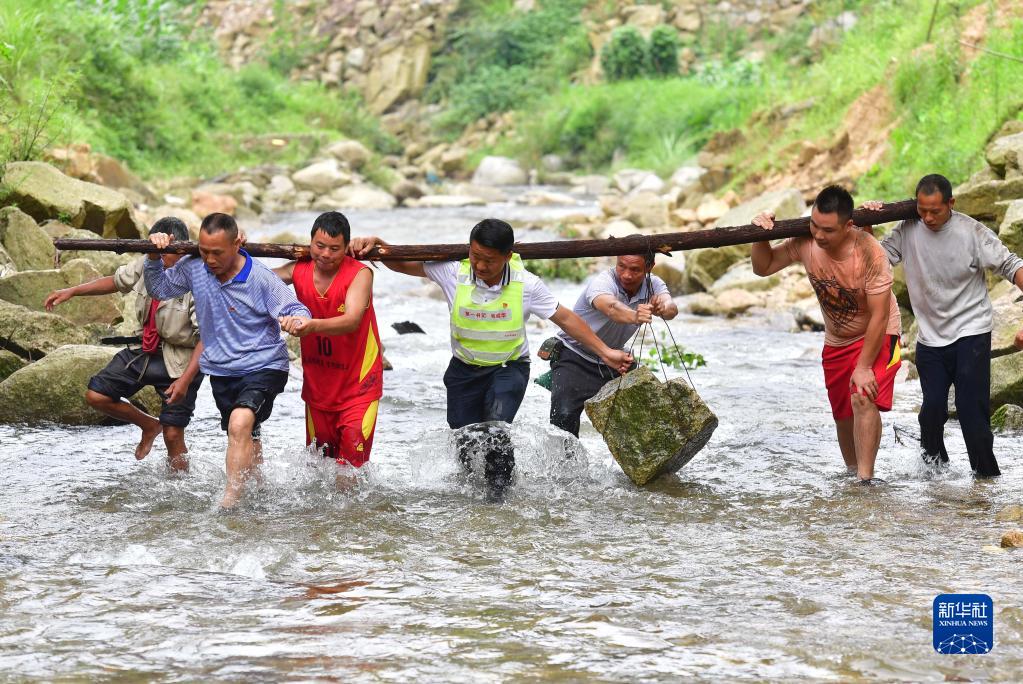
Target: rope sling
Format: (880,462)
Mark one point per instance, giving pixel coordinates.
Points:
(640,334)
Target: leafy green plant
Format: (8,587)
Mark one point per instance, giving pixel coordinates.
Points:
(626,55)
(664,45)
(674,357)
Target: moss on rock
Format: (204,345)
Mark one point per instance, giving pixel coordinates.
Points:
(651,428)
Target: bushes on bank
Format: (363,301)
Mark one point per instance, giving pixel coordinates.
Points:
(628,55)
(134,79)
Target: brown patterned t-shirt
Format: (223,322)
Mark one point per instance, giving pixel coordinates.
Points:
(842,286)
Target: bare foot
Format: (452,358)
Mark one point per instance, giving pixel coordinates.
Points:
(149,436)
(346,482)
(232,494)
(178,462)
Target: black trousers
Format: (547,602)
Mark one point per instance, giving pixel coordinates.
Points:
(574,380)
(966,364)
(485,394)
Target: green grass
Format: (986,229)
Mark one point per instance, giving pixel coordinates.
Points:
(496,58)
(124,77)
(651,123)
(944,117)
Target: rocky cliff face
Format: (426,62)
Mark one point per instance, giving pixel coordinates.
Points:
(383,49)
(379,48)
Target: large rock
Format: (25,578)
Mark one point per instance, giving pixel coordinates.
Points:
(980,198)
(628,180)
(53,389)
(1005,152)
(647,210)
(9,363)
(786,204)
(705,266)
(104,262)
(362,197)
(1011,229)
(734,302)
(741,276)
(205,203)
(1007,380)
(30,288)
(1007,418)
(397,74)
(499,171)
(33,334)
(321,177)
(28,246)
(651,428)
(43,192)
(672,270)
(1008,318)
(352,152)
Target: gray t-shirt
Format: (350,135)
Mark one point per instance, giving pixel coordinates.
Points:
(614,335)
(945,275)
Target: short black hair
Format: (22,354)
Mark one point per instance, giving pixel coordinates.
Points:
(933,183)
(835,199)
(216,222)
(493,233)
(173,226)
(333,223)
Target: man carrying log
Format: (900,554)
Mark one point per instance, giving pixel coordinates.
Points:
(614,305)
(165,355)
(490,296)
(945,255)
(342,366)
(851,276)
(238,302)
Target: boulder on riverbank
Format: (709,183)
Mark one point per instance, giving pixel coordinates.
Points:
(53,389)
(30,288)
(33,334)
(1007,418)
(499,171)
(23,242)
(104,262)
(651,428)
(44,193)
(705,266)
(9,364)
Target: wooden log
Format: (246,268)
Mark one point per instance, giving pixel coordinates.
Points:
(664,243)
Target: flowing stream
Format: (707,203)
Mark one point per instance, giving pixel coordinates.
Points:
(760,560)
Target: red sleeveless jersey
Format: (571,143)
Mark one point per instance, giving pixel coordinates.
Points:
(338,370)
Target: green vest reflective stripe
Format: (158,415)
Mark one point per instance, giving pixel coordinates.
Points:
(488,327)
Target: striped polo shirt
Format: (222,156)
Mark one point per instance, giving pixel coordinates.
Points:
(237,319)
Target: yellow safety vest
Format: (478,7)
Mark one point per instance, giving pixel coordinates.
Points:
(488,327)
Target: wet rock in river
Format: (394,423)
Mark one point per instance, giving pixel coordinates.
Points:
(53,389)
(651,428)
(1010,513)
(1008,417)
(1012,539)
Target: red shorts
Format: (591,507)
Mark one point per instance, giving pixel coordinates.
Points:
(345,435)
(839,364)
